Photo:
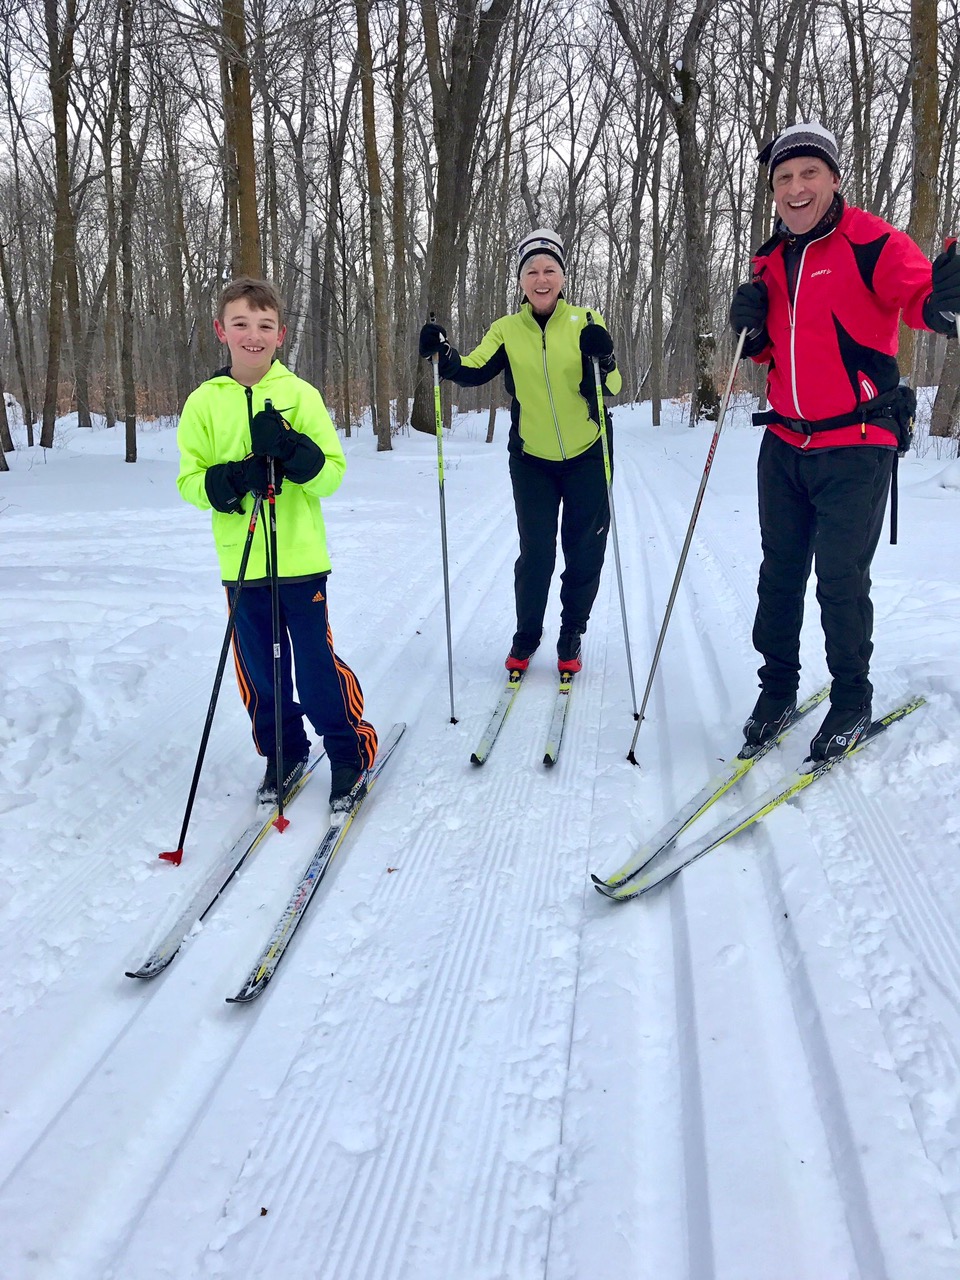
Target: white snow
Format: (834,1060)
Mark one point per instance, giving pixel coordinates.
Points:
(469,1066)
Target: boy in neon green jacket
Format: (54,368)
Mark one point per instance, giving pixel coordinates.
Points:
(252,410)
(545,353)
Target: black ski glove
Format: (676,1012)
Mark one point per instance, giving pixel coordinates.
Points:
(596,343)
(433,340)
(748,310)
(942,307)
(306,460)
(272,437)
(228,483)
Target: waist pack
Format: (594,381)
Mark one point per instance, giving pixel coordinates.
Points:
(895,410)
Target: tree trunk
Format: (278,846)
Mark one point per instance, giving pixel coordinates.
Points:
(127,192)
(240,111)
(705,401)
(12,316)
(945,416)
(656,281)
(926,147)
(398,96)
(457,93)
(6,440)
(61,66)
(378,250)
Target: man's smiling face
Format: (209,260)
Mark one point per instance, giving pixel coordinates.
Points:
(803,191)
(252,336)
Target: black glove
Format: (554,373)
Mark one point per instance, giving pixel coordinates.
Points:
(270,436)
(432,341)
(254,474)
(942,307)
(748,310)
(228,483)
(595,342)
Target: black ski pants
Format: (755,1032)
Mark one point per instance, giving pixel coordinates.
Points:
(822,506)
(540,489)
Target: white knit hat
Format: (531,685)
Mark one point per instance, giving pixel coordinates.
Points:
(540,241)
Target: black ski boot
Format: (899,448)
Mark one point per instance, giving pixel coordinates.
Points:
(347,789)
(568,650)
(842,728)
(767,718)
(521,651)
(268,792)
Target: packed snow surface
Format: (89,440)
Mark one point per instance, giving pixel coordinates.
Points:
(470,1066)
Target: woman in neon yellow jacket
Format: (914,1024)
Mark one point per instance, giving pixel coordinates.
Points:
(545,352)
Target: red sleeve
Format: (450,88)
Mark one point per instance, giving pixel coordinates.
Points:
(903,278)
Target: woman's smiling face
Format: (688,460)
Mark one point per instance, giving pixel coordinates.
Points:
(541,281)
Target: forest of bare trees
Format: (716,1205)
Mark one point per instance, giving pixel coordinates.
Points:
(380,161)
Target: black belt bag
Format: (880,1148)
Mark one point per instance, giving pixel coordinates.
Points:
(894,410)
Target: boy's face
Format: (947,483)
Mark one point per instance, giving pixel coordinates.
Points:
(253,338)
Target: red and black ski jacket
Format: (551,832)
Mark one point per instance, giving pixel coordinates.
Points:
(832,327)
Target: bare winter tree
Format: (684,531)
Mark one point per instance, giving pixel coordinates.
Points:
(378,246)
(680,91)
(380,161)
(458,72)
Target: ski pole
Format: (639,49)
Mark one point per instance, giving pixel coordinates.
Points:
(280,822)
(608,474)
(176,855)
(438,410)
(686,542)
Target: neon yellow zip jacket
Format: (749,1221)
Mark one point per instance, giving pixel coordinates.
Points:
(215,427)
(553,410)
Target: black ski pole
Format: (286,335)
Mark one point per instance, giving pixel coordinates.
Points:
(176,855)
(280,822)
(608,474)
(438,410)
(686,542)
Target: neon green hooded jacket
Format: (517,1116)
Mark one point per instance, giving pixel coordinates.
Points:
(215,427)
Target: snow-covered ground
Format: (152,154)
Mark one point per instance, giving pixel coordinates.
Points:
(470,1066)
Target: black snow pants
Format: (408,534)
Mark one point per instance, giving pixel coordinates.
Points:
(824,506)
(540,487)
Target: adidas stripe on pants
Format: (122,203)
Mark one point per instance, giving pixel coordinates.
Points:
(327,691)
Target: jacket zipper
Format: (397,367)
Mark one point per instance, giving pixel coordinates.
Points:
(793,337)
(553,407)
(792,305)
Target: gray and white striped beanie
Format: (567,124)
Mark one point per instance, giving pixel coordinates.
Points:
(809,139)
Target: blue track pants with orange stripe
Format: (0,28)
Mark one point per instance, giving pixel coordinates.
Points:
(327,691)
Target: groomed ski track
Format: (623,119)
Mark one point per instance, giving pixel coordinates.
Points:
(469,1066)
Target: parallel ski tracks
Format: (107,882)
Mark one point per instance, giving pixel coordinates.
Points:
(491,936)
(354,1202)
(899,886)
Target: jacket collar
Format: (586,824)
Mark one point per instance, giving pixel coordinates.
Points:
(783,236)
(277,369)
(560,309)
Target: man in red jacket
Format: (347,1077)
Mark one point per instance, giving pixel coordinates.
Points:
(822,312)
